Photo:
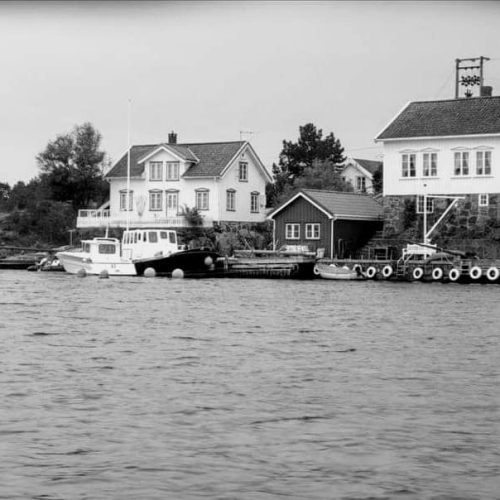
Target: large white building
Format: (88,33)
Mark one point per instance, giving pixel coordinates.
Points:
(152,187)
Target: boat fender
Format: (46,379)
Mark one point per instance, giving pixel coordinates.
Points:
(437,273)
(208,261)
(104,274)
(149,272)
(475,272)
(493,273)
(178,273)
(357,268)
(454,274)
(387,271)
(371,272)
(81,273)
(316,270)
(418,272)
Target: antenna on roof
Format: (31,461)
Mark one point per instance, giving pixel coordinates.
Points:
(247,132)
(470,75)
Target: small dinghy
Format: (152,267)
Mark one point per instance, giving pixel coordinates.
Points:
(333,272)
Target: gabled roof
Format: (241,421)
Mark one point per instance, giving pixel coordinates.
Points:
(338,205)
(455,117)
(208,159)
(371,165)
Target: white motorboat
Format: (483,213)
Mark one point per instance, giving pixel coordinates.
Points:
(117,258)
(333,272)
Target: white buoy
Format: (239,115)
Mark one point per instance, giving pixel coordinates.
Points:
(104,274)
(178,273)
(208,261)
(149,272)
(81,273)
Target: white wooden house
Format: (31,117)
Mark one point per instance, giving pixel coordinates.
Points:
(359,173)
(445,148)
(225,181)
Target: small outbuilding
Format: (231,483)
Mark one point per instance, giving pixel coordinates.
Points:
(338,222)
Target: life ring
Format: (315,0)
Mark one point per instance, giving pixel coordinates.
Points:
(418,272)
(437,273)
(316,270)
(357,268)
(371,272)
(493,273)
(454,274)
(475,272)
(387,271)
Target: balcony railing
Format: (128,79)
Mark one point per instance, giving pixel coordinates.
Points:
(103,218)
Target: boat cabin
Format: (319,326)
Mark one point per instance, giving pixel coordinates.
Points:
(104,248)
(143,243)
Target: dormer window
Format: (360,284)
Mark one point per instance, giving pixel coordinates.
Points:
(172,170)
(155,170)
(243,172)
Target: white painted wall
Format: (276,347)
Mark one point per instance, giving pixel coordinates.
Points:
(350,173)
(187,191)
(445,182)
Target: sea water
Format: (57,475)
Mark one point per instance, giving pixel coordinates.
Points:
(137,388)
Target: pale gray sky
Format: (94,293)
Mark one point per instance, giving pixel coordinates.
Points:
(209,70)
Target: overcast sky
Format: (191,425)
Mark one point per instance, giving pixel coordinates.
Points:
(209,70)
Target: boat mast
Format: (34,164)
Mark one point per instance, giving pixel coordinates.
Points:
(128,165)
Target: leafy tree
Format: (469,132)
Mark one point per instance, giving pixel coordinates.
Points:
(313,161)
(310,147)
(378,181)
(71,167)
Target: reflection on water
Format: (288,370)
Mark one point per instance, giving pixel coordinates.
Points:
(135,388)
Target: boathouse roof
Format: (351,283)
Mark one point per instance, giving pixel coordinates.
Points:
(209,159)
(337,204)
(455,117)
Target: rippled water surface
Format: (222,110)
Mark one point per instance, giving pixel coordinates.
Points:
(136,388)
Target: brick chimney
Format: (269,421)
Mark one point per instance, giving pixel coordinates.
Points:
(172,138)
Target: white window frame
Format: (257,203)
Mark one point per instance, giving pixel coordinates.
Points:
(155,171)
(483,200)
(429,168)
(313,231)
(254,202)
(231,200)
(172,171)
(202,199)
(155,200)
(243,171)
(420,205)
(408,160)
(292,231)
(361,183)
(172,195)
(123,201)
(461,164)
(483,163)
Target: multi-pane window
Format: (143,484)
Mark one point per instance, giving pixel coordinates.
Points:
(483,200)
(292,231)
(123,200)
(360,183)
(408,166)
(483,162)
(231,200)
(172,170)
(461,163)
(429,205)
(243,171)
(155,170)
(430,165)
(202,199)
(254,202)
(155,199)
(312,231)
(172,202)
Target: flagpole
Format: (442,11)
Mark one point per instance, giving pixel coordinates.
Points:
(128,165)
